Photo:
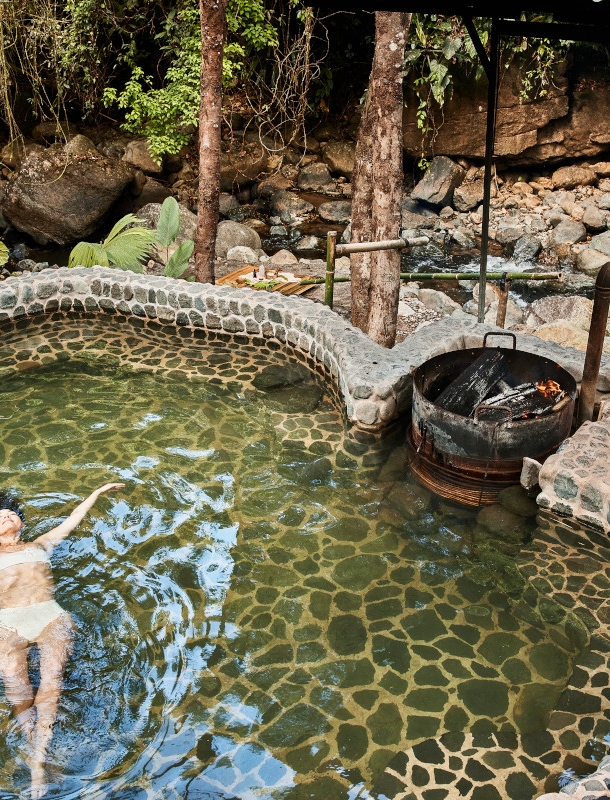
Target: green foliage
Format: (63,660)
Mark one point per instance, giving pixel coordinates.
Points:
(164,113)
(167,232)
(168,226)
(124,247)
(3,254)
(440,47)
(179,260)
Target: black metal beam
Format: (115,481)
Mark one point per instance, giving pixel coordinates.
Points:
(552,30)
(586,12)
(478,45)
(490,141)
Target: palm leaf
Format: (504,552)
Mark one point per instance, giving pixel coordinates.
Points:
(168,226)
(86,254)
(128,248)
(124,222)
(179,260)
(3,254)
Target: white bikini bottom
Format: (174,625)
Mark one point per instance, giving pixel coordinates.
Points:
(30,621)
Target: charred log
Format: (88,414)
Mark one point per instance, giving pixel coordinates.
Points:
(470,388)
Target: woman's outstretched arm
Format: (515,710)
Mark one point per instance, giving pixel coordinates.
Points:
(48,540)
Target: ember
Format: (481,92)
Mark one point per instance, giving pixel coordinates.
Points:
(550,389)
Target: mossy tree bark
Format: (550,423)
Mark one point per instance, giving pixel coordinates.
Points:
(213,33)
(377,184)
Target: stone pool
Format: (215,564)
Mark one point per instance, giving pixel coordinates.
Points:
(273,608)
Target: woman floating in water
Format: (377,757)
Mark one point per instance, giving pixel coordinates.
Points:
(29,614)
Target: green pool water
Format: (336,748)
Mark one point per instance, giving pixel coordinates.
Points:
(271,608)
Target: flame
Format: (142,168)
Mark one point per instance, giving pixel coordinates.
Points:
(549,388)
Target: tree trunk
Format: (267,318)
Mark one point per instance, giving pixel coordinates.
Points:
(213,31)
(377,184)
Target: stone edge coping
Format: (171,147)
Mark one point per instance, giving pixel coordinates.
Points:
(376,383)
(574,480)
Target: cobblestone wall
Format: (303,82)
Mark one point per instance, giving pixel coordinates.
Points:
(375,382)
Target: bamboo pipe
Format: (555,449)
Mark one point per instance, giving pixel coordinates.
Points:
(453,276)
(387,244)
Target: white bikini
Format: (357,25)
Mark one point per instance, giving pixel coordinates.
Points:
(28,621)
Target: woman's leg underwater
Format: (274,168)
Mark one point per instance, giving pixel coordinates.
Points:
(14,651)
(55,646)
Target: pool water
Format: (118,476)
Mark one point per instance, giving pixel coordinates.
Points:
(271,607)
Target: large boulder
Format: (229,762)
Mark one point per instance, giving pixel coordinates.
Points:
(462,131)
(590,261)
(138,155)
(594,219)
(526,249)
(233,234)
(242,165)
(438,184)
(566,124)
(337,211)
(468,196)
(315,177)
(290,208)
(573,176)
(564,333)
(569,231)
(56,197)
(576,310)
(601,242)
(340,156)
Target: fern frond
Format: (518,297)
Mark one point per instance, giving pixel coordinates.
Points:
(118,227)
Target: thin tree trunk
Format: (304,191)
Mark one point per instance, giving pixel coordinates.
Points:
(378,186)
(362,221)
(213,31)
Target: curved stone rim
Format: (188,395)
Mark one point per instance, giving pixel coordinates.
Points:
(373,382)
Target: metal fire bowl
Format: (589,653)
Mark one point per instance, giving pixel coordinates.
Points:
(469,461)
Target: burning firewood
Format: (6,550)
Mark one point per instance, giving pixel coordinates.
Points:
(529,399)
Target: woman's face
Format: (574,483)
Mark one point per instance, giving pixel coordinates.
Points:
(10,526)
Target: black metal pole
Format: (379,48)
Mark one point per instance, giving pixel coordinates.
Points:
(490,138)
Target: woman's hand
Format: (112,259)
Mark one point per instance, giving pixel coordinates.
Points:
(109,487)
(48,540)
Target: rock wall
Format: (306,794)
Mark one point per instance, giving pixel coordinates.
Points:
(570,122)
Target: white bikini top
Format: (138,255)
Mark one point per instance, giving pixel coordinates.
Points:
(29,555)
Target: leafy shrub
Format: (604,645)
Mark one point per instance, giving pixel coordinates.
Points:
(129,243)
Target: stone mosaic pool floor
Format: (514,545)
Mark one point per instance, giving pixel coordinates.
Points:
(410,650)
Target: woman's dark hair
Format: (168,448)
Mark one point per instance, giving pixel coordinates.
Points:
(10,502)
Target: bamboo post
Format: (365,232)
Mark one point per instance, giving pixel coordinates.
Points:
(331,248)
(503,301)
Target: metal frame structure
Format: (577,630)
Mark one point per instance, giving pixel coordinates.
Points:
(586,21)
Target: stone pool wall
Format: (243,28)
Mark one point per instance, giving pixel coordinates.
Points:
(375,383)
